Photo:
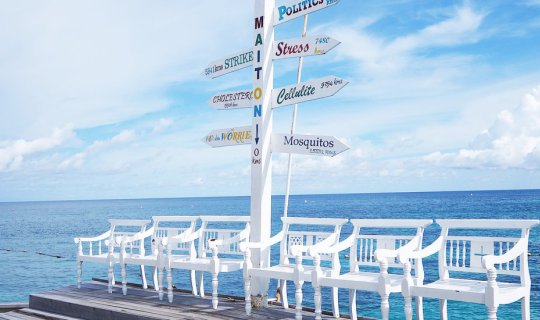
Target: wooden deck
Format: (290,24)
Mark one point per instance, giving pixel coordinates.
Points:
(93,302)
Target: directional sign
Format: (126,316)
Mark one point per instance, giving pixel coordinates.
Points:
(300,47)
(293,9)
(228,137)
(232,100)
(307,91)
(229,64)
(307,144)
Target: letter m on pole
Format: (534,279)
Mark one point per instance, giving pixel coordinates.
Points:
(259,22)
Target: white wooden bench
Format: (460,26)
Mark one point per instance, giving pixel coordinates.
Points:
(294,244)
(378,248)
(163,227)
(109,241)
(218,250)
(489,255)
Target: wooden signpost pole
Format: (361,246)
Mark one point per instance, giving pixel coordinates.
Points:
(261,154)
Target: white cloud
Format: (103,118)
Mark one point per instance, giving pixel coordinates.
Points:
(12,153)
(513,141)
(161,124)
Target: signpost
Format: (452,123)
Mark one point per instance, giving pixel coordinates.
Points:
(307,144)
(232,100)
(293,9)
(237,61)
(307,91)
(301,47)
(228,137)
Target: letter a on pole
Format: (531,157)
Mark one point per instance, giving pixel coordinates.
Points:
(261,157)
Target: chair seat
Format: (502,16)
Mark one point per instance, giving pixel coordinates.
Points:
(285,272)
(204,264)
(103,258)
(468,290)
(361,280)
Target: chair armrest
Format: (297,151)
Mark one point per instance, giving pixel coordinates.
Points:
(184,237)
(384,254)
(214,243)
(297,250)
(245,246)
(137,236)
(102,236)
(519,248)
(405,255)
(347,243)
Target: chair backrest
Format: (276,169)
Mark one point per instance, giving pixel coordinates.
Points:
(464,253)
(125,228)
(222,228)
(307,232)
(166,227)
(368,241)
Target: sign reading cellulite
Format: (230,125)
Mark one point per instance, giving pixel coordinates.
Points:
(307,91)
(228,137)
(301,47)
(293,9)
(307,144)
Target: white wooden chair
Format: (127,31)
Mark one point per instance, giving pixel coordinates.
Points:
(109,239)
(218,236)
(368,250)
(294,244)
(489,255)
(163,227)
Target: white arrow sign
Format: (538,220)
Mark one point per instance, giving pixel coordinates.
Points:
(228,137)
(229,64)
(307,91)
(293,9)
(307,144)
(300,47)
(232,100)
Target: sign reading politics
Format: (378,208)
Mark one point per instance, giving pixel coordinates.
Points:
(232,100)
(229,64)
(228,137)
(307,144)
(300,47)
(307,91)
(293,9)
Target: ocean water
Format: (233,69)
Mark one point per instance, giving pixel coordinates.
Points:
(37,252)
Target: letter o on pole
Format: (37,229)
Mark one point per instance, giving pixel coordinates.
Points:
(257,93)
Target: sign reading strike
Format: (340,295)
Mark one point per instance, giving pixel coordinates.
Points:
(300,47)
(307,91)
(229,64)
(228,137)
(307,144)
(232,100)
(293,9)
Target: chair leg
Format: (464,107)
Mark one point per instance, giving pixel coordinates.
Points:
(159,281)
(79,273)
(318,302)
(352,303)
(214,290)
(385,306)
(492,313)
(143,276)
(155,279)
(247,292)
(201,284)
(443,304)
(111,277)
(284,294)
(419,308)
(193,279)
(124,278)
(298,298)
(526,308)
(169,284)
(408,307)
(335,302)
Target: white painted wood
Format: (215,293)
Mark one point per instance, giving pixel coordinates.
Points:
(466,253)
(305,46)
(307,144)
(366,250)
(307,91)
(292,9)
(229,137)
(230,63)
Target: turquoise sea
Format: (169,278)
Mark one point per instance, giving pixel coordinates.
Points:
(33,234)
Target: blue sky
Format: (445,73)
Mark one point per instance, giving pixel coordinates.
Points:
(103,99)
